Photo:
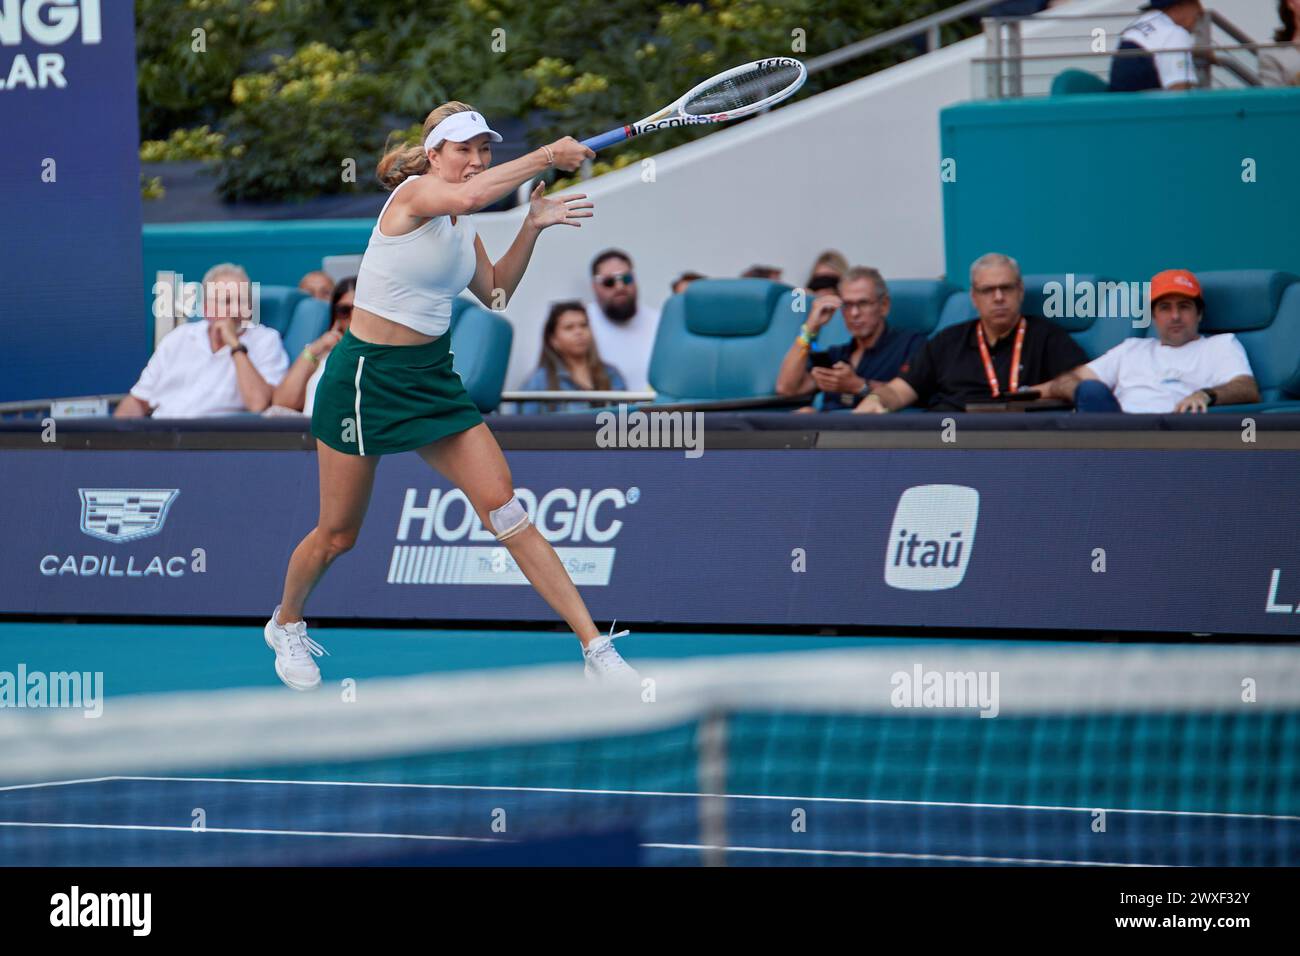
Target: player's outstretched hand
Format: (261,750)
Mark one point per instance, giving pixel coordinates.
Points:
(567,209)
(569,153)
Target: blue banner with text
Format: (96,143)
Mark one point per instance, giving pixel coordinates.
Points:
(1195,541)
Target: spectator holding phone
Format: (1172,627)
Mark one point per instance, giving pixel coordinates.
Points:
(844,374)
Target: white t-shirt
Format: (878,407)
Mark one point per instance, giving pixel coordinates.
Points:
(1155,31)
(626,345)
(1149,377)
(186,379)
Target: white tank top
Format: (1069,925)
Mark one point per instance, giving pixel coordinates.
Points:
(412,279)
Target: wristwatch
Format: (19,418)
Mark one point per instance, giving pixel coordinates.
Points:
(1210,394)
(241,347)
(863,392)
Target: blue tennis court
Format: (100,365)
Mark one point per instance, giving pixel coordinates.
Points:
(756,750)
(149,822)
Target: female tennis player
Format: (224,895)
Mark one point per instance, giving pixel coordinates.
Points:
(389,387)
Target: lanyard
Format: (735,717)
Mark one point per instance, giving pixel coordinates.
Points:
(1015,359)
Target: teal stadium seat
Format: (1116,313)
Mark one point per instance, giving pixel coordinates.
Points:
(276,306)
(1262,308)
(310,320)
(480,347)
(1078,81)
(722,339)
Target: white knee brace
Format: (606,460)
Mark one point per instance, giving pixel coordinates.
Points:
(509,519)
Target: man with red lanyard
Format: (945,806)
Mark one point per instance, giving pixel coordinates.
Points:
(986,358)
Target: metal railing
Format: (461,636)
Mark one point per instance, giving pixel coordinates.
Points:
(930,27)
(1003,67)
(577,396)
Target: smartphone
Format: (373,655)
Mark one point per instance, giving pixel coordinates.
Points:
(821,359)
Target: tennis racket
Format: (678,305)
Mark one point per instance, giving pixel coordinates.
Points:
(741,91)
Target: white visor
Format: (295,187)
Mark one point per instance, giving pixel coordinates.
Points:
(458,127)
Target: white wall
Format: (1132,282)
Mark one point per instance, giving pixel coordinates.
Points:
(855,169)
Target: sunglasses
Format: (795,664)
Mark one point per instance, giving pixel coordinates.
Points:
(610,281)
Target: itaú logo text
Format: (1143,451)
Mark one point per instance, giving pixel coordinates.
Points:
(562,514)
(932,537)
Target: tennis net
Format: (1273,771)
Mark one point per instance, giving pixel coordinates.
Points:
(901,754)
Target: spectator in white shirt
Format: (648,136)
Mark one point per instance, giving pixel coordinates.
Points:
(297,392)
(211,366)
(1164,32)
(1178,371)
(624,330)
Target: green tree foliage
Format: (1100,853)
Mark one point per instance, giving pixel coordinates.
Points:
(295,127)
(289,89)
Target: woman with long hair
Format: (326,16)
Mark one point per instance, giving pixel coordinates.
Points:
(569,361)
(297,390)
(1280,65)
(389,386)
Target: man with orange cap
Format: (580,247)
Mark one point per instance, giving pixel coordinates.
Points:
(1178,370)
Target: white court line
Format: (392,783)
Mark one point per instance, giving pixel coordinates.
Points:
(891,856)
(56,783)
(241,830)
(856,854)
(729,796)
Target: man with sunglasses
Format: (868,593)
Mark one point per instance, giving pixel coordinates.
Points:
(845,373)
(624,329)
(999,352)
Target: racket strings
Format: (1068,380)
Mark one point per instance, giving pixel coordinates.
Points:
(736,92)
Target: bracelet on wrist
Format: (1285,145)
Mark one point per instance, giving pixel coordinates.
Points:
(308,353)
(550,156)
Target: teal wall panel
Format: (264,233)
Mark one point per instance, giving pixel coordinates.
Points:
(1124,185)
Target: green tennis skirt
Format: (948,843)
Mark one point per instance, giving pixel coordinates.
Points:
(382,399)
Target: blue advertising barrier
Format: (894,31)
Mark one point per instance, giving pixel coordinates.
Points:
(70,201)
(1186,541)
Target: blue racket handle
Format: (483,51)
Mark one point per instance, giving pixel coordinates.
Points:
(598,143)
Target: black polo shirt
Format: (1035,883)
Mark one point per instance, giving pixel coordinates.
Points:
(882,362)
(949,372)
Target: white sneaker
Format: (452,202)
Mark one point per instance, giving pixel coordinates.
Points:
(604,663)
(293,653)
